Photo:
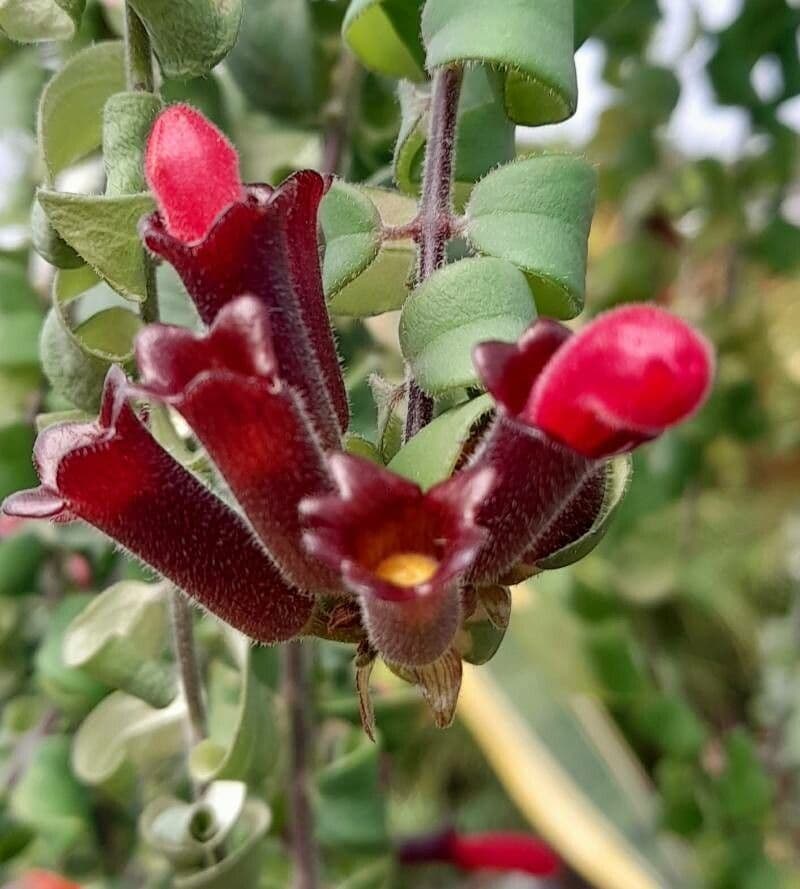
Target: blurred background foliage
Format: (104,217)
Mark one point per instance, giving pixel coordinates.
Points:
(643,713)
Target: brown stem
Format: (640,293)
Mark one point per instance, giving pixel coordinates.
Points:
(186,656)
(297,694)
(341,114)
(436,210)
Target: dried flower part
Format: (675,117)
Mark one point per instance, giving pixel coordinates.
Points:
(266,245)
(403,552)
(193,171)
(439,682)
(226,385)
(113,475)
(624,379)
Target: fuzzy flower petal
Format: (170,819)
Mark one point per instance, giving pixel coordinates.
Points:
(113,475)
(227,387)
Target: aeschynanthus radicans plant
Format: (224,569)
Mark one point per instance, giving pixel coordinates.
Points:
(263,391)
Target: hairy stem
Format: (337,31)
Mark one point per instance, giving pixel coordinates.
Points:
(188,666)
(138,55)
(341,112)
(297,694)
(436,210)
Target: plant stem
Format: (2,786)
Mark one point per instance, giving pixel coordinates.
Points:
(186,656)
(341,114)
(297,695)
(138,55)
(436,210)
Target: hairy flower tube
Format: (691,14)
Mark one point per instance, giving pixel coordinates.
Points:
(401,551)
(227,240)
(565,405)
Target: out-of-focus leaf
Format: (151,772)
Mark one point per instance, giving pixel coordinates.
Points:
(461,305)
(123,735)
(190,37)
(433,453)
(32,21)
(536,213)
(73,689)
(16,469)
(244,741)
(569,772)
(19,340)
(103,230)
(385,35)
(71,109)
(531,40)
(20,559)
(349,805)
(50,800)
(375,875)
(590,15)
(119,639)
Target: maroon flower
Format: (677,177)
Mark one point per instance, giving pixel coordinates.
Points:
(228,387)
(565,404)
(113,475)
(227,240)
(402,551)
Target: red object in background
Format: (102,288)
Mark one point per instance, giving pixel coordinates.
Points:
(500,852)
(9,525)
(79,570)
(41,879)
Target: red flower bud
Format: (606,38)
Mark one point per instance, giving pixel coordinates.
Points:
(113,475)
(402,551)
(193,172)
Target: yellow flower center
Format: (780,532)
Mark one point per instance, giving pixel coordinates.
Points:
(407,569)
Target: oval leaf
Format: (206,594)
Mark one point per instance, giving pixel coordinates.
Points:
(33,21)
(531,40)
(352,228)
(537,213)
(384,34)
(460,306)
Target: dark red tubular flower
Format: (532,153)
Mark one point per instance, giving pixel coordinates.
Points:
(228,387)
(113,475)
(502,852)
(567,403)
(401,551)
(226,240)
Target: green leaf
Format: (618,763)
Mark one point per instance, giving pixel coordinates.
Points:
(127,121)
(20,559)
(590,15)
(48,243)
(566,767)
(433,453)
(349,802)
(618,479)
(532,41)
(73,689)
(243,865)
(461,305)
(50,800)
(385,35)
(19,340)
(119,639)
(365,275)
(485,134)
(123,735)
(71,109)
(375,875)
(537,213)
(16,467)
(243,740)
(352,228)
(33,21)
(16,292)
(190,37)
(103,230)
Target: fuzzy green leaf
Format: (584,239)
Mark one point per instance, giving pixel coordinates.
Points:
(127,121)
(384,34)
(537,213)
(462,305)
(71,109)
(103,230)
(119,639)
(531,40)
(433,453)
(34,21)
(364,275)
(190,37)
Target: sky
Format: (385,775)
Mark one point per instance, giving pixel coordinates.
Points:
(699,127)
